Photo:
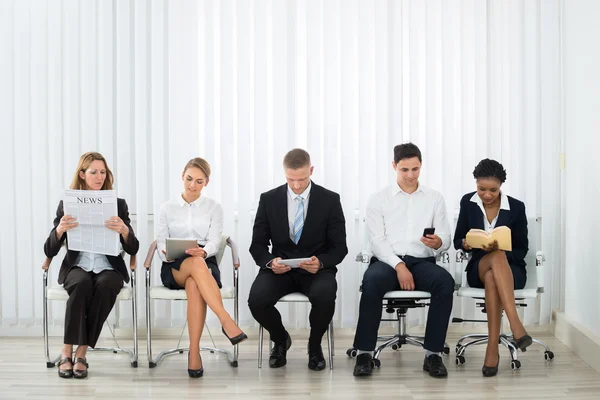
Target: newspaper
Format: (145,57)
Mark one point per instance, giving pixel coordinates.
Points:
(92,208)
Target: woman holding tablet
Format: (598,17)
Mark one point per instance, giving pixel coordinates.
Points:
(499,272)
(192,216)
(93,281)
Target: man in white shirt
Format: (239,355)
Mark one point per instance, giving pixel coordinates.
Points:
(404,259)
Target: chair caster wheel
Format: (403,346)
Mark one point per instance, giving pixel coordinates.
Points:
(457,349)
(376,363)
(234,364)
(396,346)
(212,352)
(548,355)
(352,353)
(446,350)
(180,351)
(460,360)
(114,351)
(151,364)
(134,364)
(49,364)
(515,364)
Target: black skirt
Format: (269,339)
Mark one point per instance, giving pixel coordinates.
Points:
(519,276)
(166,273)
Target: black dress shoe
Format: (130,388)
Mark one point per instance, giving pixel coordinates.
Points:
(523,342)
(80,373)
(434,365)
(65,373)
(236,339)
(490,371)
(316,361)
(364,365)
(277,358)
(195,373)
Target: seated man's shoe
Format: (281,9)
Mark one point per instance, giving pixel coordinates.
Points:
(316,361)
(364,365)
(490,371)
(277,358)
(523,342)
(434,365)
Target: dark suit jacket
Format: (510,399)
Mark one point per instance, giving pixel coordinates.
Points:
(323,234)
(52,245)
(471,217)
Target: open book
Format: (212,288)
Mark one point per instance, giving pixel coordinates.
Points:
(477,238)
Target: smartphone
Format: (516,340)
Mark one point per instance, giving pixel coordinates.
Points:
(428,231)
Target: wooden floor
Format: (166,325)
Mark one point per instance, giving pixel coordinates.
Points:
(23,375)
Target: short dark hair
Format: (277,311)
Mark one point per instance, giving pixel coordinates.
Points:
(488,168)
(296,158)
(406,150)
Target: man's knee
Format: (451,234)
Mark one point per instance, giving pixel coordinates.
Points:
(445,283)
(376,279)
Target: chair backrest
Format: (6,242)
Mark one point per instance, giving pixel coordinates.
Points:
(221,251)
(534,271)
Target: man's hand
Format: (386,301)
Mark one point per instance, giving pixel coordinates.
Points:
(432,241)
(279,268)
(311,266)
(491,247)
(405,278)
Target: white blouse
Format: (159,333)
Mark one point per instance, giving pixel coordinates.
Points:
(201,220)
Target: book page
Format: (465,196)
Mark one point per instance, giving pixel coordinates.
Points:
(92,208)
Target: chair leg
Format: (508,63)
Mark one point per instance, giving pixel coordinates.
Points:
(134,361)
(260,345)
(151,362)
(49,363)
(330,344)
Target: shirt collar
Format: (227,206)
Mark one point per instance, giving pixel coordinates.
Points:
(183,203)
(504,203)
(304,194)
(395,189)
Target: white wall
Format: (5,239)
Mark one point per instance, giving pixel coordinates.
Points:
(151,84)
(582,128)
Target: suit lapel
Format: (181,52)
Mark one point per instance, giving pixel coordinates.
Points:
(503,218)
(478,223)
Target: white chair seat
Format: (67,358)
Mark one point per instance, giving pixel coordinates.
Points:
(59,293)
(480,293)
(407,294)
(294,298)
(163,293)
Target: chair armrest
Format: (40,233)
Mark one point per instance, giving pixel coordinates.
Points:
(46,264)
(132,262)
(539,265)
(150,255)
(363,257)
(235,255)
(461,256)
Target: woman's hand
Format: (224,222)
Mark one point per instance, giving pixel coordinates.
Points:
(465,246)
(67,222)
(491,247)
(116,224)
(196,252)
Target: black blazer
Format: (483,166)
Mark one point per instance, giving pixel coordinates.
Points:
(471,217)
(52,245)
(323,234)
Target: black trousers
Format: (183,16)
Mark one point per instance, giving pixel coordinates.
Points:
(381,278)
(91,298)
(269,287)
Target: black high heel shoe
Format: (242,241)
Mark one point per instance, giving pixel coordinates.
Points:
(237,339)
(490,371)
(523,342)
(195,373)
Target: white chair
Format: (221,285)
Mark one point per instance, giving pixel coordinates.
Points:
(127,293)
(295,298)
(532,290)
(162,293)
(399,302)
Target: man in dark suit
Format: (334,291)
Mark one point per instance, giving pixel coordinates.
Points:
(299,220)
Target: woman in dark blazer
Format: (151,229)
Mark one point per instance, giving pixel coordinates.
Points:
(499,272)
(93,281)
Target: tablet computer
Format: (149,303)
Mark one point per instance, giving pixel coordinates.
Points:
(176,247)
(293,262)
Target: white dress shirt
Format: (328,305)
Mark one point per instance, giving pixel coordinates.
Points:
(292,205)
(504,205)
(396,220)
(201,219)
(92,262)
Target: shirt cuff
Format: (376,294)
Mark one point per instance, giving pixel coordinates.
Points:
(393,260)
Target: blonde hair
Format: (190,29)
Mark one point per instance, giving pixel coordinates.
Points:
(85,160)
(199,163)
